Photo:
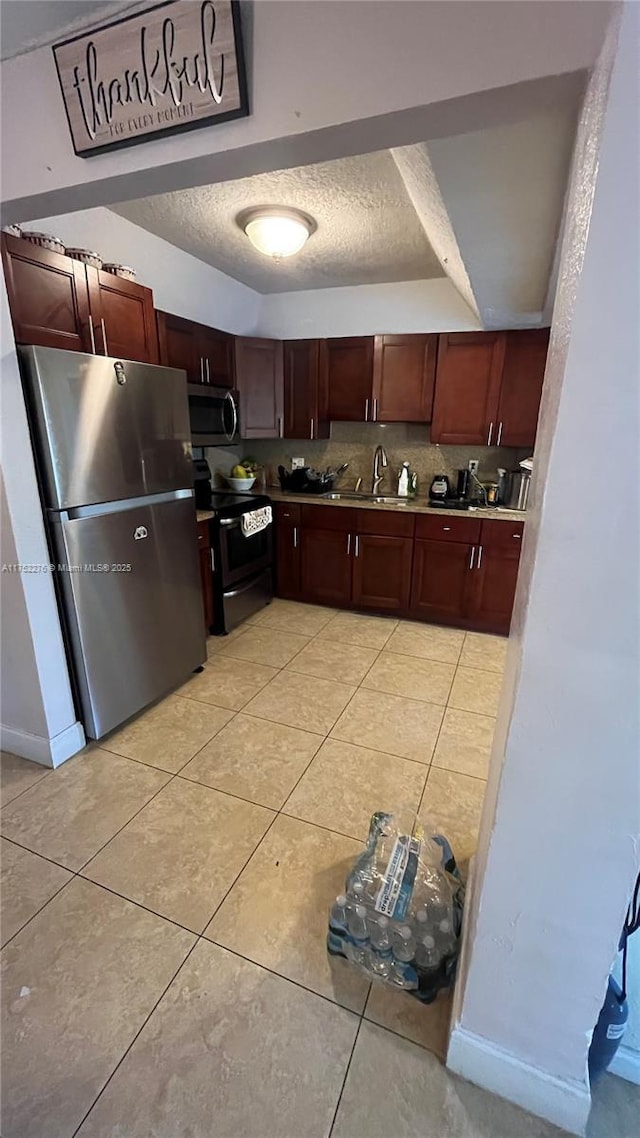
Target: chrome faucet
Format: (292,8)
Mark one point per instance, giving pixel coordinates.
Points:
(379,463)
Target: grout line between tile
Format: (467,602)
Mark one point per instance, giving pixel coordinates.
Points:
(46,771)
(346,1076)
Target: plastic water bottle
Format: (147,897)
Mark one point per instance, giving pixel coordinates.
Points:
(427,955)
(445,937)
(403,947)
(338,915)
(380,954)
(358,933)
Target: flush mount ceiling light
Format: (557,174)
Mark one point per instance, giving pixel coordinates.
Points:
(276,231)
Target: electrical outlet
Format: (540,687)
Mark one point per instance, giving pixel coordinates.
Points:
(473,465)
(297,463)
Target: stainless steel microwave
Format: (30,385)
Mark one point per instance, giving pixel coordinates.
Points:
(214,415)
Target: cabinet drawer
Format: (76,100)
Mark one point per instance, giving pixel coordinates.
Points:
(431,528)
(329,517)
(204,540)
(287,514)
(502,533)
(383,523)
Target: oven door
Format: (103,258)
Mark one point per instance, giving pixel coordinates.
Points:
(240,556)
(213,414)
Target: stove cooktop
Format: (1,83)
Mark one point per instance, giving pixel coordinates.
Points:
(226,505)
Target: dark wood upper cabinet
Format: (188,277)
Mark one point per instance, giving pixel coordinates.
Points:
(404,369)
(525,359)
(216,349)
(259,381)
(346,372)
(468,376)
(48,296)
(124,319)
(305,412)
(178,344)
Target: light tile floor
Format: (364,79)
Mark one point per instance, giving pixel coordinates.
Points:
(164,897)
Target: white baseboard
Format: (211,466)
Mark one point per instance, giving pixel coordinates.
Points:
(626,1064)
(566,1104)
(48,752)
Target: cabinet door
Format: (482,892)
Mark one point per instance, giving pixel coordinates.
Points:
(288,565)
(493,587)
(468,373)
(48,296)
(347,376)
(326,566)
(304,415)
(124,319)
(177,341)
(440,581)
(404,369)
(259,381)
(525,359)
(382,572)
(216,350)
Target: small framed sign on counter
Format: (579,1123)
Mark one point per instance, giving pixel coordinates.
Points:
(176,66)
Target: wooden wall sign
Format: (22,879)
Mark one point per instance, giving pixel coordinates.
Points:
(176,66)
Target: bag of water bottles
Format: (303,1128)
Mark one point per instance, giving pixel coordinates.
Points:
(400,917)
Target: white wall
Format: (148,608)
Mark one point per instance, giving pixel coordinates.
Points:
(37,714)
(181,283)
(363,310)
(560,837)
(326,79)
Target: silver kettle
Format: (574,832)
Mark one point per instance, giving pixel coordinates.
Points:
(519,490)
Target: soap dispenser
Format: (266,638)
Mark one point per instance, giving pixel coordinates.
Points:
(404,481)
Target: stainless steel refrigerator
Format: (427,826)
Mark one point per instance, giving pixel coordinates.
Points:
(112,446)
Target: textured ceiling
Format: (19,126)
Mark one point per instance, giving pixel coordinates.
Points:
(368,231)
(27,24)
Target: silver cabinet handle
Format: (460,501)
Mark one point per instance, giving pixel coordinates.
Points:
(473,553)
(312,428)
(208,370)
(234,414)
(201,370)
(104,337)
(490,434)
(366,410)
(375,410)
(445,529)
(295,537)
(517,535)
(348,544)
(93,339)
(357,546)
(499,434)
(479,557)
(279,426)
(213,561)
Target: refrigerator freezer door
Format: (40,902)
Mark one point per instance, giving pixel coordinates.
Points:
(107,429)
(133,606)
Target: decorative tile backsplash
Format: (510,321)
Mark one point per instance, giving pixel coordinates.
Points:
(355,443)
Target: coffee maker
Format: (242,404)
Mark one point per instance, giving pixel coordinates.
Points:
(440,489)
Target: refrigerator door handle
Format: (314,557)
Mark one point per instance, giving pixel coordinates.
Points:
(120,506)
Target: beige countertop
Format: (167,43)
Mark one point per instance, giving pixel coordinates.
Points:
(204,515)
(417,505)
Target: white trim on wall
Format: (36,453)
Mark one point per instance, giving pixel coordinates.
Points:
(626,1064)
(565,1103)
(48,752)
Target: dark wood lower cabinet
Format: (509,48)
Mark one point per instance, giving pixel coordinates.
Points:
(440,587)
(288,560)
(464,575)
(206,573)
(326,566)
(382,572)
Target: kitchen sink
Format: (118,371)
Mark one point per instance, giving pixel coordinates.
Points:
(376,499)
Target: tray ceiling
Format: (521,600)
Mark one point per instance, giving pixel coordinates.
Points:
(368,230)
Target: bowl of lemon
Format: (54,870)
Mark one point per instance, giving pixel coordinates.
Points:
(242,476)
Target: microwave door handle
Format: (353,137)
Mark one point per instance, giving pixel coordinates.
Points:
(234,413)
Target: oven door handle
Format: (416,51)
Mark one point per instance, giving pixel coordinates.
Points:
(234,413)
(229,521)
